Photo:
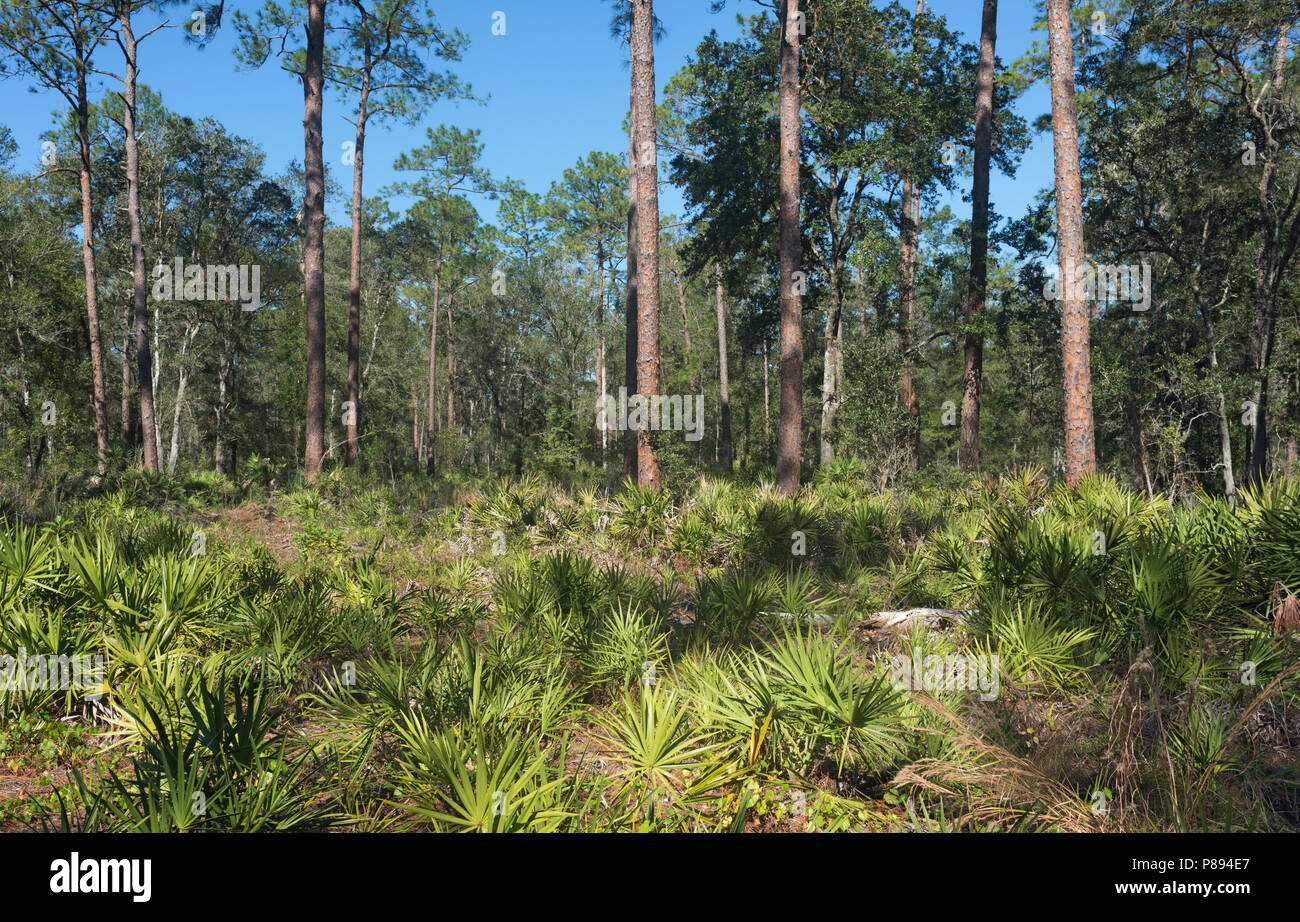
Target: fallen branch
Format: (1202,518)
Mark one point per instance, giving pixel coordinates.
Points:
(933,617)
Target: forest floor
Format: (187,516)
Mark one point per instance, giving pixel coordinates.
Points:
(523,657)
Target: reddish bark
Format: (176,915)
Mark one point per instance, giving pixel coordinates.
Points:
(968,453)
(313,215)
(1080,456)
(353,447)
(646,167)
(790,427)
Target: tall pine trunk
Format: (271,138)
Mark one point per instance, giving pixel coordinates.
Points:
(767,402)
(647,190)
(790,428)
(353,447)
(724,383)
(124,430)
(431,417)
(313,215)
(144,363)
(98,398)
(630,339)
(451,369)
(1264,297)
(601,384)
(680,283)
(1080,440)
(908,242)
(968,452)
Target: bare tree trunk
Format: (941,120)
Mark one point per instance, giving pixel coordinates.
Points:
(451,371)
(790,430)
(354,282)
(431,420)
(140,293)
(24,385)
(906,307)
(724,384)
(647,168)
(831,363)
(124,430)
(686,330)
(1080,440)
(1221,405)
(630,340)
(907,302)
(1293,405)
(601,384)
(1144,454)
(1264,300)
(190,332)
(220,411)
(1225,448)
(968,452)
(98,398)
(157,376)
(767,402)
(313,214)
(415,427)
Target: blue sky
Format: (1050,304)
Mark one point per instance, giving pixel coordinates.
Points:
(558,84)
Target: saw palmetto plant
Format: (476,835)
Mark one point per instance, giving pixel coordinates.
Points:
(560,686)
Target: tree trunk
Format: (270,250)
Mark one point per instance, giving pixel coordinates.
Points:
(790,430)
(140,293)
(415,427)
(451,371)
(686,330)
(156,428)
(647,168)
(431,416)
(190,332)
(124,430)
(968,452)
(354,283)
(1221,404)
(1264,300)
(25,388)
(220,411)
(1080,440)
(906,306)
(1144,454)
(99,401)
(630,339)
(724,384)
(908,240)
(767,402)
(1293,407)
(601,384)
(831,372)
(313,215)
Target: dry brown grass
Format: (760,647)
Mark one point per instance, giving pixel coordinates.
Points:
(995,785)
